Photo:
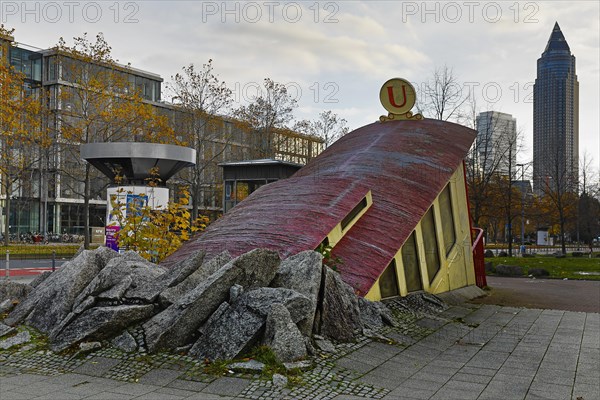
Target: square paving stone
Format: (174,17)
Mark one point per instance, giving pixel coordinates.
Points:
(23,379)
(192,386)
(587,380)
(523,380)
(134,389)
(402,392)
(503,390)
(457,385)
(431,377)
(227,386)
(430,323)
(586,391)
(451,394)
(354,365)
(71,379)
(362,359)
(6,387)
(88,388)
(110,396)
(556,391)
(560,377)
(16,396)
(398,375)
(400,338)
(379,381)
(97,366)
(422,384)
(62,396)
(442,364)
(41,388)
(159,396)
(471,378)
(478,371)
(207,396)
(175,392)
(159,377)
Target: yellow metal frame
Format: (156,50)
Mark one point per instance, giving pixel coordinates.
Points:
(456,268)
(337,233)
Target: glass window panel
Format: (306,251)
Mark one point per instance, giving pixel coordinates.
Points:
(447,217)
(410,260)
(388,283)
(432,256)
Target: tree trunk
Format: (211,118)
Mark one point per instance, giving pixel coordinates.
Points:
(562,234)
(195,201)
(509,208)
(195,189)
(86,208)
(7,213)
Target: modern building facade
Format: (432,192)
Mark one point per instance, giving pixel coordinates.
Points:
(48,199)
(556,118)
(496,142)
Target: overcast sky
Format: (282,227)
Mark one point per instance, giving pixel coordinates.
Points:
(336,55)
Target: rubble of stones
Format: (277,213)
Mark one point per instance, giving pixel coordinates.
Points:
(212,309)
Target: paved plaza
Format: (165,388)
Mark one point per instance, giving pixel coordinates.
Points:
(465,352)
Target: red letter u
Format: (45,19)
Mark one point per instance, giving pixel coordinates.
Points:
(391,96)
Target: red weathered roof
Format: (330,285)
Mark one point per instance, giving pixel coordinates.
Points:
(405,164)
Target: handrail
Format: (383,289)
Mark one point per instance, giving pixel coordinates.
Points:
(478,258)
(477,238)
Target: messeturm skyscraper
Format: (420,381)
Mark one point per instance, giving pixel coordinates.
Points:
(556,118)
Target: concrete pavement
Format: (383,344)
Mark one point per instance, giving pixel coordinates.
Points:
(466,352)
(571,295)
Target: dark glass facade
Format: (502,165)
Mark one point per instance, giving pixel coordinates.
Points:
(556,117)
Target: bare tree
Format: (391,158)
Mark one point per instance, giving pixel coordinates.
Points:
(22,133)
(97,103)
(492,154)
(204,99)
(272,109)
(509,196)
(442,95)
(559,187)
(588,206)
(329,127)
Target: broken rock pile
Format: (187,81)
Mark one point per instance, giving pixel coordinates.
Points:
(211,309)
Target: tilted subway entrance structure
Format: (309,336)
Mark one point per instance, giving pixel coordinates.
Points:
(389,198)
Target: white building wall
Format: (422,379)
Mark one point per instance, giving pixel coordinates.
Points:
(496,140)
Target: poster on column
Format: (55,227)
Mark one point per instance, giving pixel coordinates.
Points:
(112,232)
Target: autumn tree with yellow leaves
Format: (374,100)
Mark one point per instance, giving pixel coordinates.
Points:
(23,136)
(98,103)
(204,99)
(155,234)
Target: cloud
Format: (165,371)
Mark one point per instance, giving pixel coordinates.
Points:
(370,42)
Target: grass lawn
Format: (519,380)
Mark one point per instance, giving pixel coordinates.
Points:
(557,267)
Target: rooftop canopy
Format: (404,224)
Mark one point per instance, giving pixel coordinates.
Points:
(135,161)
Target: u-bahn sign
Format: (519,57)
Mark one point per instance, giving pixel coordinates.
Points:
(398,97)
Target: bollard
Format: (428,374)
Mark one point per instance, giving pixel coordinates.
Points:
(53,260)
(7,270)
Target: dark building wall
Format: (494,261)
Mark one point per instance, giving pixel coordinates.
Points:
(556,116)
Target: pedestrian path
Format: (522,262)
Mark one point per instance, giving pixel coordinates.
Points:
(466,352)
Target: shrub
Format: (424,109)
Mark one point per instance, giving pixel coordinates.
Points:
(509,270)
(538,272)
